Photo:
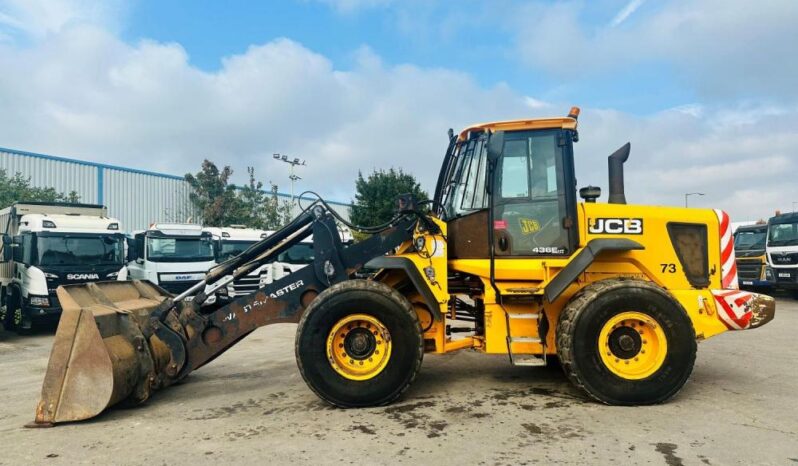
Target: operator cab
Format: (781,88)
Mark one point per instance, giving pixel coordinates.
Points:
(534,201)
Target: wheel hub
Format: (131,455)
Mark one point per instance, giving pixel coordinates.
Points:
(632,345)
(625,342)
(360,343)
(359,347)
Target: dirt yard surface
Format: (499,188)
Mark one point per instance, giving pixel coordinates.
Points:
(251,406)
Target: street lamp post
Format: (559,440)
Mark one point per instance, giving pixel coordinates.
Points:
(291,176)
(686,195)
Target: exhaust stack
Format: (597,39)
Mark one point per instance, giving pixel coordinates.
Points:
(615,162)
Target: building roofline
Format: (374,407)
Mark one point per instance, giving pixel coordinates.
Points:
(131,170)
(87,163)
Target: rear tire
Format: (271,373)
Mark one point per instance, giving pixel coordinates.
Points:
(604,328)
(340,322)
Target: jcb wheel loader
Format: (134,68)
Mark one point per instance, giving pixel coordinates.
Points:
(504,260)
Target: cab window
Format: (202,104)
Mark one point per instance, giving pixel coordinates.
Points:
(530,205)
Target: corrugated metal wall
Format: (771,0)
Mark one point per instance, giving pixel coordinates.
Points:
(137,198)
(64,176)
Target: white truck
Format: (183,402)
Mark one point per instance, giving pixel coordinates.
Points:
(233,240)
(45,245)
(174,256)
(782,252)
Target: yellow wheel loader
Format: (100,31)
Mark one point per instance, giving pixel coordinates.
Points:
(504,260)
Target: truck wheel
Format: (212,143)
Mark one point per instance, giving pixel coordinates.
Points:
(11,312)
(359,344)
(626,342)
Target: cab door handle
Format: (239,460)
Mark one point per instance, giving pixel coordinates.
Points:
(503,243)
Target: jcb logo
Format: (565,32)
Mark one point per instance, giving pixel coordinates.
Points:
(616,226)
(529,226)
(82,276)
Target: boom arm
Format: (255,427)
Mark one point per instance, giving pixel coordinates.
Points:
(280,302)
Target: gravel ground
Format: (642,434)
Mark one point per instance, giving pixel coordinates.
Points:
(251,405)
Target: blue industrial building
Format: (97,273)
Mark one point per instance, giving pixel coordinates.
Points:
(136,197)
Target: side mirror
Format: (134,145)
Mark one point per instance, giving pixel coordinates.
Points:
(216,246)
(130,254)
(8,248)
(495,146)
(17,253)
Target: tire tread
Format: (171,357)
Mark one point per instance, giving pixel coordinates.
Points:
(372,287)
(570,314)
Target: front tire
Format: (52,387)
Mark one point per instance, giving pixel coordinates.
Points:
(359,344)
(626,342)
(11,313)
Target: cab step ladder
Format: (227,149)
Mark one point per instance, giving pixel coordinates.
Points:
(523,359)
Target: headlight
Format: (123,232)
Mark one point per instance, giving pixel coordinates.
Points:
(50,276)
(768,273)
(222,291)
(40,301)
(113,275)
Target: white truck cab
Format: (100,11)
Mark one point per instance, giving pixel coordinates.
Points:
(174,256)
(782,252)
(45,245)
(233,240)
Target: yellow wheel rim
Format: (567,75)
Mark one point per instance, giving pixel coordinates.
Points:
(359,347)
(632,345)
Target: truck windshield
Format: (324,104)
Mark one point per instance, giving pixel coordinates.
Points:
(179,249)
(301,253)
(750,239)
(230,249)
(783,234)
(77,249)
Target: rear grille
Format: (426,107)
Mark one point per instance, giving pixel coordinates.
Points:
(784,259)
(246,285)
(749,269)
(177,287)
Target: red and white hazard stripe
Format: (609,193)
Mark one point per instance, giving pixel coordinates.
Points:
(729,267)
(734,308)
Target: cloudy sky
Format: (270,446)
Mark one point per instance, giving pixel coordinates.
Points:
(705,90)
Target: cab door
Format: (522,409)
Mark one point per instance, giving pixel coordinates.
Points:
(534,199)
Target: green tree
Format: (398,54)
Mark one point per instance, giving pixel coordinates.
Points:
(222,203)
(17,188)
(259,208)
(375,196)
(213,195)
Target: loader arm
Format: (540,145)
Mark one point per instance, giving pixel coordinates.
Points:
(282,301)
(122,341)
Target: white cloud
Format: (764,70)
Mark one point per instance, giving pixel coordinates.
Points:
(745,168)
(626,11)
(351,6)
(37,18)
(80,91)
(536,104)
(721,48)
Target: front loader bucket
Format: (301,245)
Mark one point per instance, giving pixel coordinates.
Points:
(100,356)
